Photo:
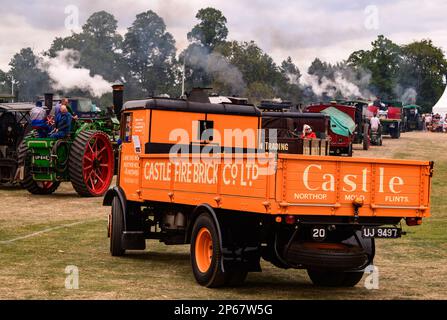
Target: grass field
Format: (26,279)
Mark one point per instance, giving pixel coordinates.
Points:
(49,233)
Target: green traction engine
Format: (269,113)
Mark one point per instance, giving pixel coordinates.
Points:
(86,157)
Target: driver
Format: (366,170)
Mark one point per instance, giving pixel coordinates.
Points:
(63,123)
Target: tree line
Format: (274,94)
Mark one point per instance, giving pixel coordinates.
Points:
(147,61)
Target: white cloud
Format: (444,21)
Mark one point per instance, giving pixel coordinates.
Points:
(302,29)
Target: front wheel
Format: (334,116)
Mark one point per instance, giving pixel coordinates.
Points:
(116,228)
(329,278)
(28,182)
(206,253)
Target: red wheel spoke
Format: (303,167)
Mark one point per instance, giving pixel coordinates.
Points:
(92,183)
(87,158)
(89,174)
(91,149)
(99,178)
(95,147)
(102,150)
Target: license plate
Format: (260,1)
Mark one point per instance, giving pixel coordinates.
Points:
(381,232)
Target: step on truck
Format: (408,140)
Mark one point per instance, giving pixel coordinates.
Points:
(201,174)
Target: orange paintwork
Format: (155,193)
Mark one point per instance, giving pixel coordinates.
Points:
(276,184)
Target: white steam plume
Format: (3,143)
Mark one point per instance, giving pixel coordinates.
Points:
(65,76)
(218,66)
(409,96)
(331,87)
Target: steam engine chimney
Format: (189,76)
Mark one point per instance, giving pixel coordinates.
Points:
(48,97)
(118,98)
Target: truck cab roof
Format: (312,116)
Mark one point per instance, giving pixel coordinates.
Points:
(190,106)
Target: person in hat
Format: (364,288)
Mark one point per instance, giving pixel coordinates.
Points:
(308,133)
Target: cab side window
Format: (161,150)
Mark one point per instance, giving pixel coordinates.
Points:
(206,130)
(126,131)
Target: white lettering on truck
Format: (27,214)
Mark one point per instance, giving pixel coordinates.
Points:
(350,181)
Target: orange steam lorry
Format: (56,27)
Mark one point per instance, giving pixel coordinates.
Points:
(239,185)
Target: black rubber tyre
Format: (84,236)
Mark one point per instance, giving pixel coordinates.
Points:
(333,256)
(350,150)
(212,277)
(34,187)
(116,228)
(235,278)
(76,164)
(366,139)
(395,132)
(268,254)
(352,278)
(329,278)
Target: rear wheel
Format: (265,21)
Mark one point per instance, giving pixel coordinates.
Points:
(206,254)
(329,278)
(34,187)
(91,163)
(350,151)
(395,132)
(322,256)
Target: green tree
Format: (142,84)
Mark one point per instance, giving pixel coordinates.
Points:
(99,44)
(321,69)
(290,85)
(30,80)
(212,29)
(423,68)
(383,61)
(5,82)
(261,72)
(258,91)
(150,53)
(255,65)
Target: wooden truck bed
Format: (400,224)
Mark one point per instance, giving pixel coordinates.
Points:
(289,184)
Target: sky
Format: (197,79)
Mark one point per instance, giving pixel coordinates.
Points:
(304,30)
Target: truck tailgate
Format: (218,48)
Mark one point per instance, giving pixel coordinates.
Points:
(329,185)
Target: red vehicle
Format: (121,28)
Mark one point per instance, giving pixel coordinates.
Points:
(340,144)
(390,114)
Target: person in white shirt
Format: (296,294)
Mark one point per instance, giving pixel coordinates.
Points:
(38,117)
(375,123)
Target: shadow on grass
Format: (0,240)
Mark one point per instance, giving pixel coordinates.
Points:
(177,257)
(9,187)
(257,282)
(58,195)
